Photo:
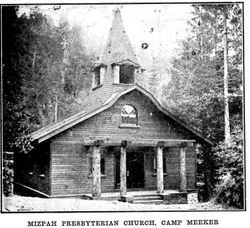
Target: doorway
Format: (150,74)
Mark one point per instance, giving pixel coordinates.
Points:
(135,169)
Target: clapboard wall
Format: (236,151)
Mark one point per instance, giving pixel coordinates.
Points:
(172,173)
(71,169)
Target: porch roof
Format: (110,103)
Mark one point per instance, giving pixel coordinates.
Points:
(136,142)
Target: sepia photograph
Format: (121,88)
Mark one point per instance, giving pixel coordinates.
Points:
(122,107)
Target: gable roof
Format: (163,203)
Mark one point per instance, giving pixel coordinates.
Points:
(58,127)
(118,46)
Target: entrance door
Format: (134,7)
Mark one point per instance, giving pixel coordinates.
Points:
(135,170)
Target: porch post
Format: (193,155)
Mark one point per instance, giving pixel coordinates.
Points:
(160,182)
(96,170)
(123,169)
(183,174)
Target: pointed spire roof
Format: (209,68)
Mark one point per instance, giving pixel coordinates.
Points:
(118,47)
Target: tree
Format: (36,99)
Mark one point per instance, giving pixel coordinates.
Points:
(14,46)
(196,91)
(76,70)
(40,87)
(227,121)
(230,188)
(197,72)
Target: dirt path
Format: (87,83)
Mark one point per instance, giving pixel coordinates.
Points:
(20,203)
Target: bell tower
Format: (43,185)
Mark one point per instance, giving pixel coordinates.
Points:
(118,65)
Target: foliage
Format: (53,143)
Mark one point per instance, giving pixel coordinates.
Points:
(11,81)
(39,86)
(196,90)
(8,175)
(196,85)
(28,45)
(229,189)
(76,62)
(23,144)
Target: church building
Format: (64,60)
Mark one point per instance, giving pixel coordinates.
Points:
(122,141)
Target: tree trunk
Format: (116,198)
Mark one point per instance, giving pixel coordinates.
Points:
(226,114)
(34,59)
(56,109)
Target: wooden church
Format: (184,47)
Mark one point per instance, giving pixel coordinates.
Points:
(123,139)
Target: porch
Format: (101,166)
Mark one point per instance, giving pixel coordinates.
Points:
(132,171)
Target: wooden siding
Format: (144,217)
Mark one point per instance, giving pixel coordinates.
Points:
(70,159)
(172,174)
(71,171)
(191,167)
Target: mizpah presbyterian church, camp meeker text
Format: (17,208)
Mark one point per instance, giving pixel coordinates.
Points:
(123,144)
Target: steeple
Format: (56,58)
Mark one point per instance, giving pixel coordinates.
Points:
(118,47)
(118,64)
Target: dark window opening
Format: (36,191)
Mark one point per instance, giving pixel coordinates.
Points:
(126,74)
(90,165)
(164,165)
(102,165)
(129,115)
(97,77)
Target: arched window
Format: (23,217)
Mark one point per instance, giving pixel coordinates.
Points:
(129,115)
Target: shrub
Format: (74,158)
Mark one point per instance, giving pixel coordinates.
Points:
(8,175)
(230,187)
(22,145)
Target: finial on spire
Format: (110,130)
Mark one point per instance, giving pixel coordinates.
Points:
(117,10)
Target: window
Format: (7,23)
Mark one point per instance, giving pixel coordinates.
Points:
(102,166)
(164,165)
(124,71)
(126,74)
(98,76)
(129,115)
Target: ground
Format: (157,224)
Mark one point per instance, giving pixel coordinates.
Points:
(21,203)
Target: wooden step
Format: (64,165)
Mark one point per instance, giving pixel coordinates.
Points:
(154,197)
(147,199)
(146,195)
